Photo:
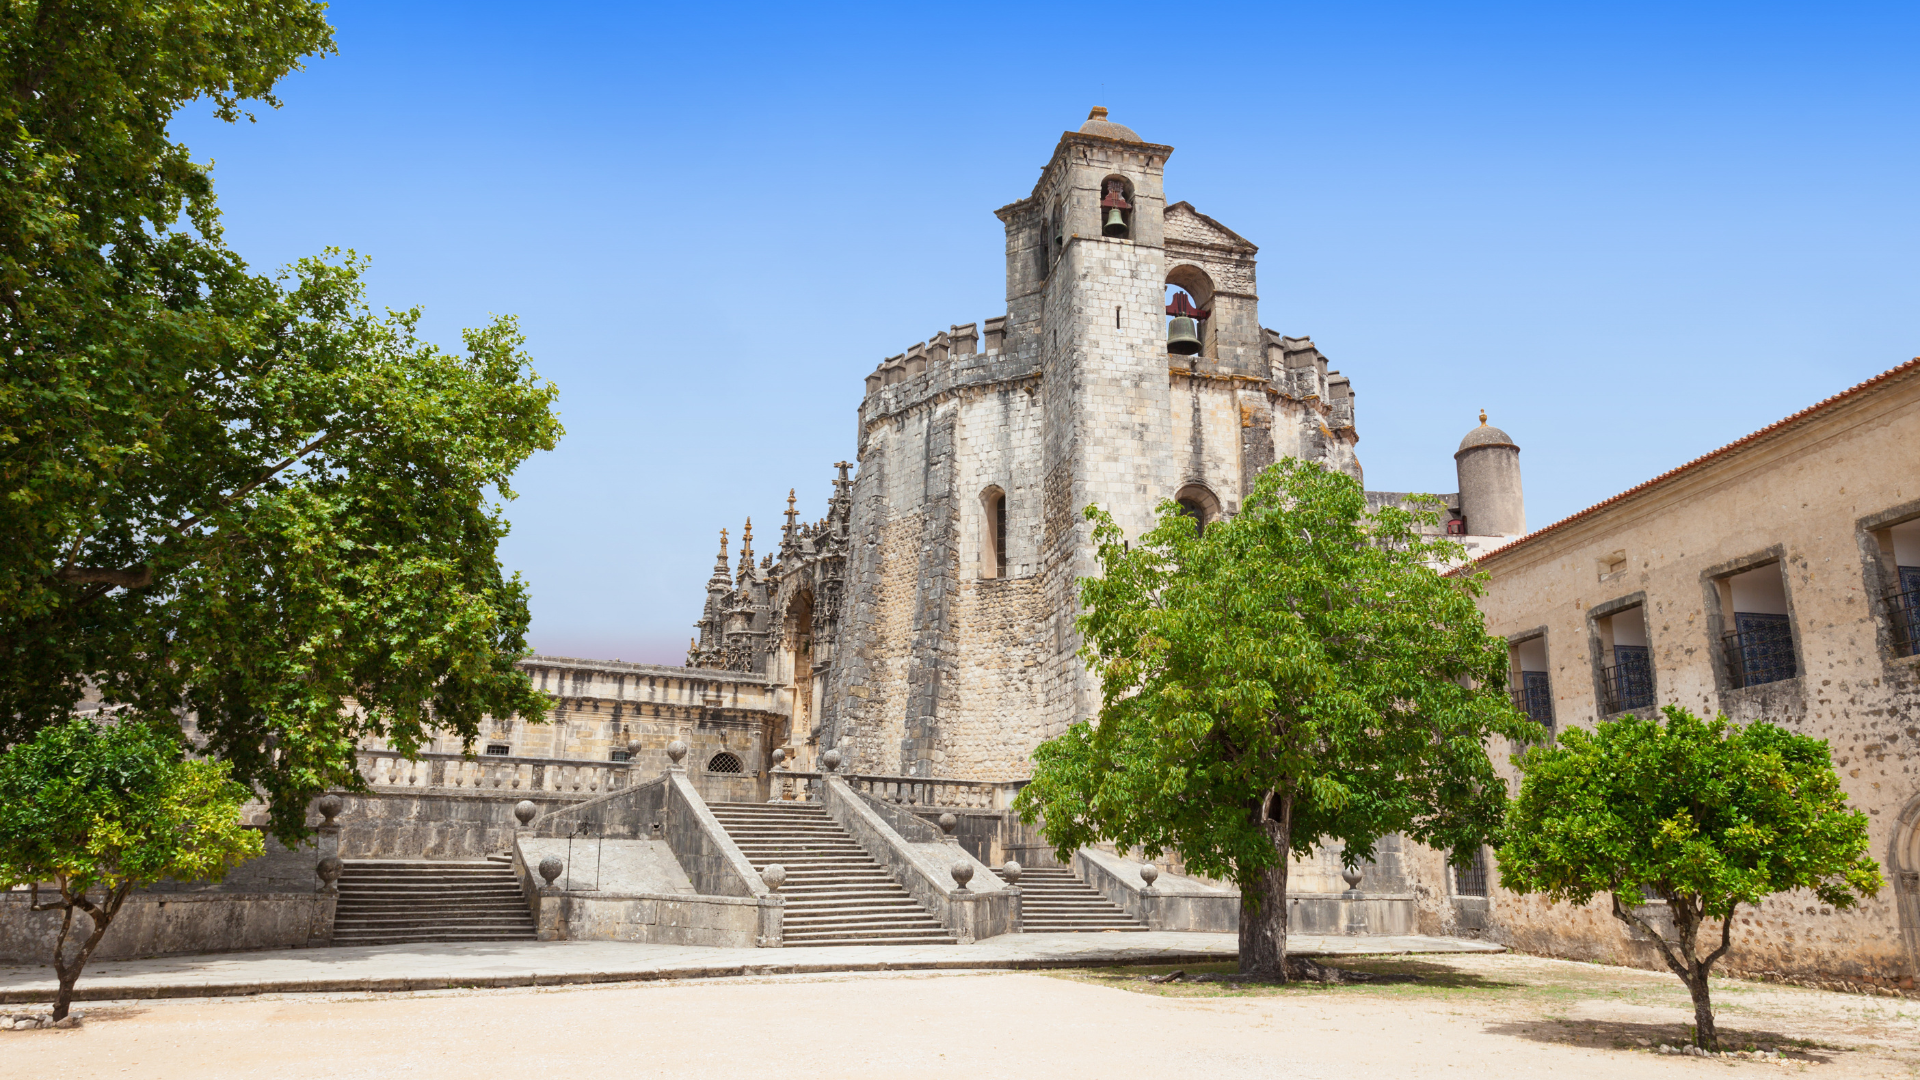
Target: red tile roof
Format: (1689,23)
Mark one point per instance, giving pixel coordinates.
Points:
(1770,429)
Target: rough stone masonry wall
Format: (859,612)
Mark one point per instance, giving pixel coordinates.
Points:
(1109,430)
(908,700)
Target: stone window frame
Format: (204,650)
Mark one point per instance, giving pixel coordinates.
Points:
(1514,683)
(1877,577)
(1715,607)
(1600,662)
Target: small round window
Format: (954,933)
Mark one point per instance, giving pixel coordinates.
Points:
(723,762)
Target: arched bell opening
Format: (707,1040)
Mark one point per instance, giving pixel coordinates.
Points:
(1116,207)
(1189,297)
(1198,502)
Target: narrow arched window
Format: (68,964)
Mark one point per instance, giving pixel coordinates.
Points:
(993,535)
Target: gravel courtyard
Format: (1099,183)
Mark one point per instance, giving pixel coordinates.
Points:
(1467,1016)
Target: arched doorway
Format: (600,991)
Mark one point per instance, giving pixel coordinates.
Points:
(799,639)
(1905,868)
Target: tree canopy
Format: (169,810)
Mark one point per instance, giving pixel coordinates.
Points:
(1705,816)
(1297,674)
(99,810)
(244,497)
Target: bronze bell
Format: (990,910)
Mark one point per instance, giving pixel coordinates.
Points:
(1116,223)
(1182,340)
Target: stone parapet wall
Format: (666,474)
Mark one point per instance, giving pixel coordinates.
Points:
(170,924)
(723,922)
(275,901)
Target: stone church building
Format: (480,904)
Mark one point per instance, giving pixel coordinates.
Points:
(924,626)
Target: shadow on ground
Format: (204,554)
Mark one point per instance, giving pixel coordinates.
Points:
(1626,1035)
(1203,979)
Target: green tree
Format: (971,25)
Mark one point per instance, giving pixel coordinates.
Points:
(242,497)
(1705,816)
(1297,674)
(100,810)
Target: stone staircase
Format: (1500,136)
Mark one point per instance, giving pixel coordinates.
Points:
(836,894)
(1053,901)
(391,901)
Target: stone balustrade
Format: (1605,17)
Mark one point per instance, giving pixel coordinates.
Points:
(789,784)
(389,769)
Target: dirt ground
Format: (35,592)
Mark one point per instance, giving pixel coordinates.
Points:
(1470,1016)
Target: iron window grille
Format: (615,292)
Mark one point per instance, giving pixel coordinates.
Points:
(622,755)
(1628,684)
(723,762)
(1534,698)
(1760,650)
(499,749)
(1472,880)
(1903,612)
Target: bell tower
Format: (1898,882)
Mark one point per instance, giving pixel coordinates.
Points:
(1086,275)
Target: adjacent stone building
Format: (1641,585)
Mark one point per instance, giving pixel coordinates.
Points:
(1776,578)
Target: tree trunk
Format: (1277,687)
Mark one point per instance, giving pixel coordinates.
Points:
(1704,1035)
(68,972)
(1263,910)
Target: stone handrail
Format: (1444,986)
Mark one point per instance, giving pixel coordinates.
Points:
(490,774)
(631,813)
(902,790)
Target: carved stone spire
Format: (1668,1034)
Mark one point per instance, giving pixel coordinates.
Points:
(744,575)
(721,579)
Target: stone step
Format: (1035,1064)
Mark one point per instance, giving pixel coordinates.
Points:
(863,935)
(836,893)
(393,901)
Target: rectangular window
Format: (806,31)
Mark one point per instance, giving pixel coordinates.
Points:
(1472,880)
(498,749)
(1757,647)
(622,755)
(1626,662)
(1532,687)
(1900,601)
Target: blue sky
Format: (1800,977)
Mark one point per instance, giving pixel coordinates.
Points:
(1631,232)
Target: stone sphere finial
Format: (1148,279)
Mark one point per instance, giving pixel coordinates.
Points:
(962,872)
(524,811)
(633,748)
(328,870)
(329,807)
(1352,876)
(774,875)
(779,755)
(948,822)
(1011,872)
(676,751)
(550,868)
(1149,874)
(830,760)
